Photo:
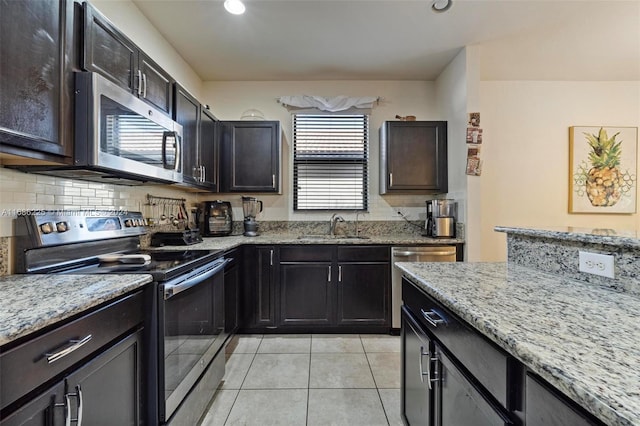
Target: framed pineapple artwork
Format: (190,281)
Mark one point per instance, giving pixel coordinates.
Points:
(603,169)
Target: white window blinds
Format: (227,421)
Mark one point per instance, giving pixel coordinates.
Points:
(330,154)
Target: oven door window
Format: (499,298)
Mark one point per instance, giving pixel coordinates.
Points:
(193,333)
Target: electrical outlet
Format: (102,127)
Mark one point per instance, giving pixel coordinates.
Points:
(597,264)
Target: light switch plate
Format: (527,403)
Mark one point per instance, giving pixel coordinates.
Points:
(597,264)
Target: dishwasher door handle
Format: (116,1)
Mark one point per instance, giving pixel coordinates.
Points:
(423,253)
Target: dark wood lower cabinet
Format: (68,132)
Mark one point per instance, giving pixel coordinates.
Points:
(261,286)
(442,386)
(306,294)
(546,407)
(459,401)
(232,293)
(363,293)
(47,409)
(417,391)
(319,288)
(105,391)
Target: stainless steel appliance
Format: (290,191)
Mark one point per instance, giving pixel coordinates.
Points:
(413,254)
(185,348)
(441,218)
(216,218)
(119,138)
(251,206)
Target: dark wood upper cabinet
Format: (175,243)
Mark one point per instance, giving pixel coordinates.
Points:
(199,141)
(209,127)
(157,84)
(250,156)
(37,60)
(187,113)
(413,157)
(113,55)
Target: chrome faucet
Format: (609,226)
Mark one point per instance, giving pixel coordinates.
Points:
(332,223)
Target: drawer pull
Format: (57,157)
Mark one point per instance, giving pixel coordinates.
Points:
(429,316)
(73,345)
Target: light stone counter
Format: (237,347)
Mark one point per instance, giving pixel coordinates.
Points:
(618,238)
(582,339)
(227,243)
(29,303)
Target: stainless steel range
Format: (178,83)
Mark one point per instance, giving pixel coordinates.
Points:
(188,333)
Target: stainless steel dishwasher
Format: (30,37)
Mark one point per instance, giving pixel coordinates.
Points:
(413,254)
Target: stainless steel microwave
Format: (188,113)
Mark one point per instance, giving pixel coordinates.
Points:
(119,138)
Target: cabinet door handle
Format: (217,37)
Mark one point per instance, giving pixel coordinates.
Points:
(203,175)
(73,345)
(390,179)
(139,82)
(78,396)
(329,275)
(422,372)
(429,316)
(271,258)
(273,181)
(144,85)
(340,273)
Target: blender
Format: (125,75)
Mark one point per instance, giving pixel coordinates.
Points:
(251,206)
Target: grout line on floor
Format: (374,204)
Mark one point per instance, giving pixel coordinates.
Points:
(242,384)
(306,421)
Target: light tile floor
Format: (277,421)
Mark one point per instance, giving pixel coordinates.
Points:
(305,379)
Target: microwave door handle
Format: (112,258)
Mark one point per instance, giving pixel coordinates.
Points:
(178,141)
(164,149)
(173,289)
(178,145)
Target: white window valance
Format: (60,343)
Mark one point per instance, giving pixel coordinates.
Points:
(298,103)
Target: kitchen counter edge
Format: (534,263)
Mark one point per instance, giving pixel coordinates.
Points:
(481,293)
(28,305)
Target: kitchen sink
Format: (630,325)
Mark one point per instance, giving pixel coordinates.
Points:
(332,237)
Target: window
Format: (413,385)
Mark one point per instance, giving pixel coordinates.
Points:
(330,154)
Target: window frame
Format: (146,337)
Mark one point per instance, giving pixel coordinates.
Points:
(341,158)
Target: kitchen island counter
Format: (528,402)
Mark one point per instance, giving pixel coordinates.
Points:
(582,338)
(29,303)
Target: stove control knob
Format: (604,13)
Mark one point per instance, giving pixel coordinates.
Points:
(46,228)
(128,223)
(135,222)
(62,226)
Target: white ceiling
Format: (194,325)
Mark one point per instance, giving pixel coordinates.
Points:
(284,40)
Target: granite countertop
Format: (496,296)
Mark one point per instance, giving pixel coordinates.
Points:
(229,242)
(583,339)
(619,238)
(29,303)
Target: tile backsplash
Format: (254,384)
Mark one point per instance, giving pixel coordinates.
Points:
(21,192)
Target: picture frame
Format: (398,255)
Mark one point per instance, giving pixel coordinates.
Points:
(603,169)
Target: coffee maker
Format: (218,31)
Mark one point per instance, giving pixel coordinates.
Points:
(441,218)
(251,206)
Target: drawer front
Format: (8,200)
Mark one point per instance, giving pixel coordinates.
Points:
(485,361)
(320,253)
(363,254)
(26,367)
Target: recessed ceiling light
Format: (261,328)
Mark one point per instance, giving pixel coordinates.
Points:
(235,7)
(441,5)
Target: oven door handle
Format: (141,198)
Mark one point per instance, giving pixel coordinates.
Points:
(173,289)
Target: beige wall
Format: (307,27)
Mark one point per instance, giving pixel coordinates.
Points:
(229,100)
(128,18)
(526,153)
